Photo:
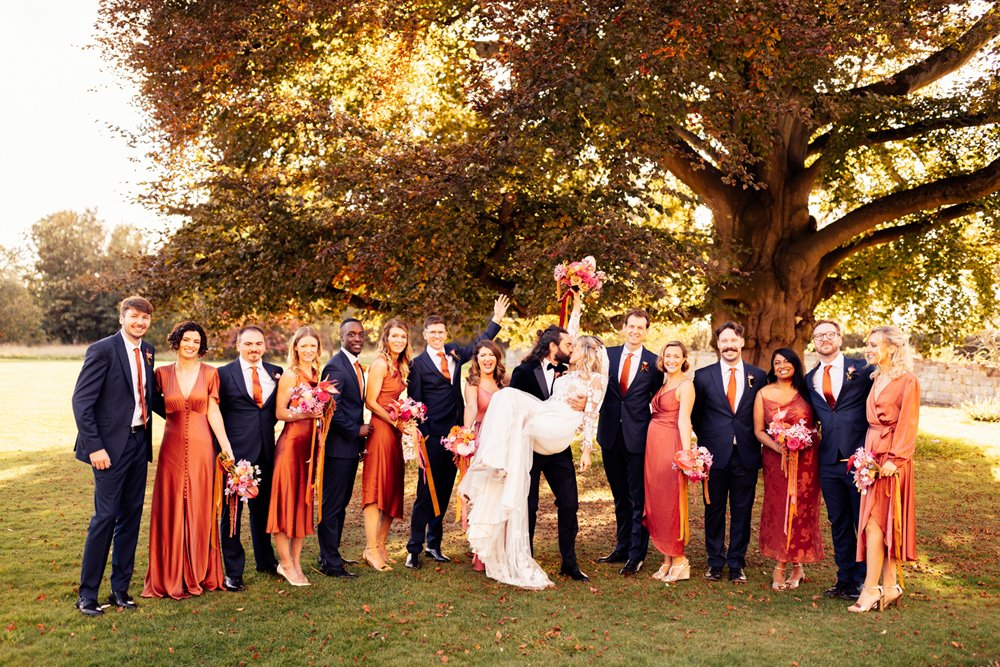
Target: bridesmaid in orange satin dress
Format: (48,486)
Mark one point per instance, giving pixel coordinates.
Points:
(184,552)
(788,393)
(382,475)
(886,538)
(290,515)
(669,432)
(487,376)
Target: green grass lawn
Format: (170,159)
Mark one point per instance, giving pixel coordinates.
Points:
(451,614)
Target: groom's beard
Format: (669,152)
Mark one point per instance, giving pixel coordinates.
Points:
(562,358)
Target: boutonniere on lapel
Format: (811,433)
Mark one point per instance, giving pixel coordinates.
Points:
(149,357)
(454,355)
(644,367)
(749,380)
(852,373)
(276,375)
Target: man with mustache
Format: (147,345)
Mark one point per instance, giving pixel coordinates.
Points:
(723,420)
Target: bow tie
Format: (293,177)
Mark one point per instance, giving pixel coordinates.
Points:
(552,367)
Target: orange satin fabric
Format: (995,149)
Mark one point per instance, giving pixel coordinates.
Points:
(290,512)
(664,515)
(382,475)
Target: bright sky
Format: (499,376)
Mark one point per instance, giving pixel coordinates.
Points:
(59,101)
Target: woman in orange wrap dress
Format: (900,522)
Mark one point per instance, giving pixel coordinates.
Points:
(382,475)
(184,552)
(886,526)
(290,515)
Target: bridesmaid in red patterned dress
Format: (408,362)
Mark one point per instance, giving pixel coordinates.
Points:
(786,398)
(487,376)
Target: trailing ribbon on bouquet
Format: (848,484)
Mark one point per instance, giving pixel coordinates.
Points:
(792,439)
(893,490)
(424,464)
(237,481)
(462,443)
(317,456)
(682,492)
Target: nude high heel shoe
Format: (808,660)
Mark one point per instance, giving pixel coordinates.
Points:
(870,598)
(896,598)
(678,572)
(793,581)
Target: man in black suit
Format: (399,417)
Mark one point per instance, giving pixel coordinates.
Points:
(112,404)
(621,431)
(536,375)
(345,443)
(435,380)
(839,388)
(723,420)
(247,394)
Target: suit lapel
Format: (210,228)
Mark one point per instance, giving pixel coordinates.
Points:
(540,376)
(717,381)
(614,361)
(746,387)
(349,369)
(119,344)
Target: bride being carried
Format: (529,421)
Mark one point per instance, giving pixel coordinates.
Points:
(517,424)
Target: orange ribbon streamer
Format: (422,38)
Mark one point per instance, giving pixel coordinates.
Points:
(217,500)
(685,530)
(897,525)
(317,458)
(425,466)
(462,463)
(790,466)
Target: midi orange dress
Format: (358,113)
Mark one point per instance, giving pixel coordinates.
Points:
(291,509)
(382,475)
(664,485)
(806,543)
(892,435)
(184,554)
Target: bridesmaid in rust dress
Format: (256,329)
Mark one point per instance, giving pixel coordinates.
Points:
(786,398)
(290,515)
(666,488)
(887,533)
(487,376)
(184,552)
(382,476)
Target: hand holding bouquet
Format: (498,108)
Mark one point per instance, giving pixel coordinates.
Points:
(405,414)
(865,468)
(460,441)
(793,438)
(582,277)
(242,483)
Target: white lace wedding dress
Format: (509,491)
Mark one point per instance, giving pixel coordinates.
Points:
(496,484)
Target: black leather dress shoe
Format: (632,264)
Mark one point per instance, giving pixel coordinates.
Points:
(737,575)
(122,600)
(436,555)
(631,567)
(714,574)
(341,571)
(88,607)
(850,592)
(413,561)
(348,561)
(273,570)
(834,591)
(233,584)
(616,556)
(573,572)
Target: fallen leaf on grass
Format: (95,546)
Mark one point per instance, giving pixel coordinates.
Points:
(365,608)
(499,636)
(957,644)
(41,596)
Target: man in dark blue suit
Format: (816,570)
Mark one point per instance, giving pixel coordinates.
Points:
(112,403)
(838,388)
(723,420)
(247,394)
(621,431)
(435,380)
(345,443)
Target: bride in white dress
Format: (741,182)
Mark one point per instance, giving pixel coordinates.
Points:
(516,423)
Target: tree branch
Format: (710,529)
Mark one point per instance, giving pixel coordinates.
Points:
(697,143)
(820,143)
(939,64)
(696,172)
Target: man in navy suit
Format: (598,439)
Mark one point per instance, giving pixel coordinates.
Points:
(838,388)
(247,394)
(621,431)
(435,380)
(345,443)
(723,420)
(112,404)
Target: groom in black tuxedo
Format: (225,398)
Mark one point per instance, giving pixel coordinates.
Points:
(345,444)
(113,402)
(621,431)
(536,375)
(723,419)
(247,394)
(435,380)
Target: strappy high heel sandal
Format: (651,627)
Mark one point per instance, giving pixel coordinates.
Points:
(865,604)
(778,578)
(678,572)
(793,582)
(895,599)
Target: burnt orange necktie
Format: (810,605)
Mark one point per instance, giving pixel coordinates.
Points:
(138,382)
(444,367)
(828,387)
(626,367)
(361,382)
(258,391)
(731,389)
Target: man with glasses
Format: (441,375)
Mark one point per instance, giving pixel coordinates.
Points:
(839,389)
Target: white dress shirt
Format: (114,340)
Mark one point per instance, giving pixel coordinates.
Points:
(267,383)
(133,374)
(633,368)
(836,376)
(433,354)
(741,379)
(351,359)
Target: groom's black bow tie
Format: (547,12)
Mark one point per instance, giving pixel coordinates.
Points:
(552,367)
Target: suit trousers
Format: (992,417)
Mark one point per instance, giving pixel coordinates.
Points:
(736,485)
(560,473)
(843,504)
(626,477)
(338,487)
(424,526)
(119,492)
(233,555)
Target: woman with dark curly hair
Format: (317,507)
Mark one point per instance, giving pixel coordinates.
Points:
(184,553)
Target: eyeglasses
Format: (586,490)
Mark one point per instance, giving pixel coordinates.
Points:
(830,335)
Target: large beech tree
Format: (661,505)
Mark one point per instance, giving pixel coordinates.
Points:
(406,155)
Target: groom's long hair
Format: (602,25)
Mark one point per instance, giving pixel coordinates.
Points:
(551,334)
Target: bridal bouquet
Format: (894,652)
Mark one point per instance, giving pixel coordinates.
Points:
(313,399)
(581,276)
(408,410)
(794,438)
(242,483)
(460,441)
(694,463)
(865,468)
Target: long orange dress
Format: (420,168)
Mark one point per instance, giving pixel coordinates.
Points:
(664,485)
(184,554)
(382,475)
(892,435)
(290,511)
(806,545)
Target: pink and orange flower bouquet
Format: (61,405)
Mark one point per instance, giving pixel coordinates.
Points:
(461,442)
(242,483)
(694,463)
(865,468)
(793,438)
(582,277)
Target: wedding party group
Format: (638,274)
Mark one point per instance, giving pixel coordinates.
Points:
(844,430)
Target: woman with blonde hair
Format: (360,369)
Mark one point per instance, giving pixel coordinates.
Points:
(290,517)
(886,527)
(382,475)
